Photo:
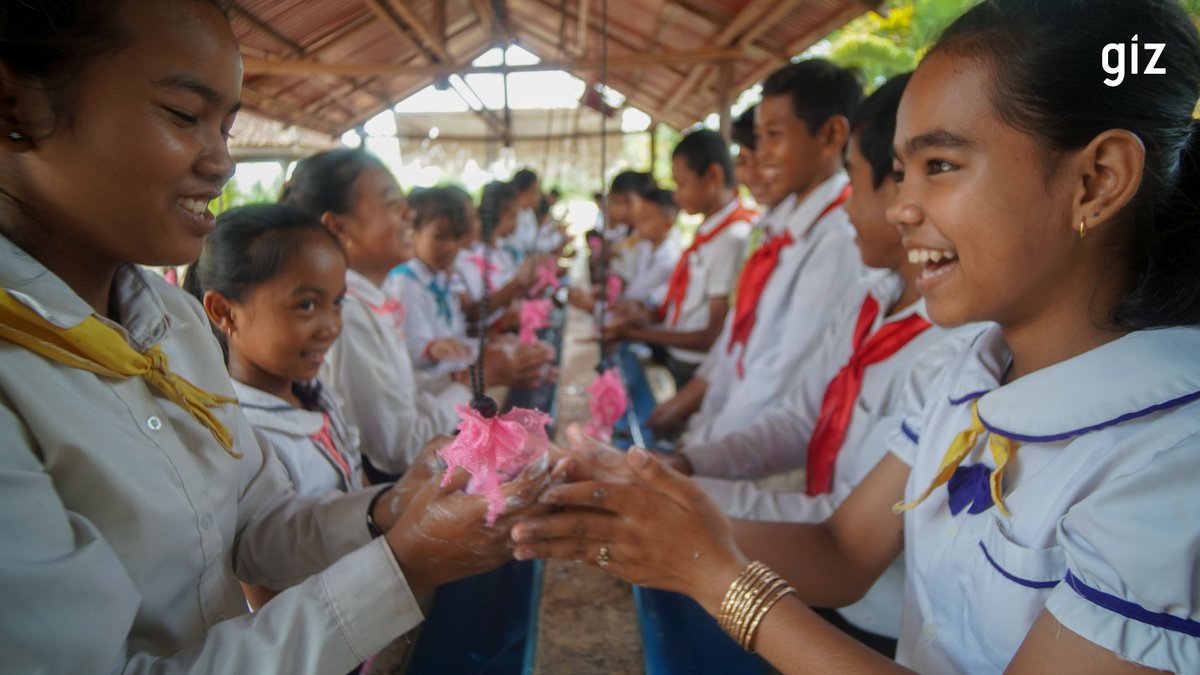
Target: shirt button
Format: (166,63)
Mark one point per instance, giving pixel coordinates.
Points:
(154,423)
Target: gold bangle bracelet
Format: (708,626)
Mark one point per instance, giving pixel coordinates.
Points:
(749,598)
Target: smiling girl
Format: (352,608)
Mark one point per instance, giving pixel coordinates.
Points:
(1045,499)
(133,494)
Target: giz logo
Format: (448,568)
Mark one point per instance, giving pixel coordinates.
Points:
(1117,70)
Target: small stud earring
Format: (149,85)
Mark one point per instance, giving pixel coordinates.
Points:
(16,136)
(1082,231)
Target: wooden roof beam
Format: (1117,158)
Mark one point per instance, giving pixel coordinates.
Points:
(619,62)
(273,107)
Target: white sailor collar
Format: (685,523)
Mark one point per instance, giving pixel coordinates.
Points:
(1141,373)
(802,221)
(272,413)
(144,318)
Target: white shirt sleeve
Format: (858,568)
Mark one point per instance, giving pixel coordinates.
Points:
(724,262)
(394,418)
(1133,567)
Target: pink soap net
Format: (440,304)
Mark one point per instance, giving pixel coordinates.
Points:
(613,288)
(494,450)
(535,315)
(547,277)
(608,402)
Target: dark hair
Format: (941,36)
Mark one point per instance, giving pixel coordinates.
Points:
(875,125)
(52,40)
(438,203)
(637,182)
(248,246)
(703,148)
(1049,82)
(543,207)
(818,89)
(663,199)
(743,129)
(325,182)
(524,179)
(555,192)
(497,196)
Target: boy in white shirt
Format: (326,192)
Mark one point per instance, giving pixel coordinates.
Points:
(793,282)
(692,312)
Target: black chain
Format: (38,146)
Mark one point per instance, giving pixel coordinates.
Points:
(482,403)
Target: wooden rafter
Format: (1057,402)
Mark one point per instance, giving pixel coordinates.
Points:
(619,62)
(274,107)
(726,37)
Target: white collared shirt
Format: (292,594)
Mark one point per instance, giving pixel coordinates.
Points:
(778,440)
(525,235)
(125,527)
(311,466)
(812,279)
(652,269)
(370,370)
(468,277)
(713,270)
(1105,524)
(424,322)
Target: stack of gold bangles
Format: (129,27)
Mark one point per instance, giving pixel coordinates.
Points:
(748,600)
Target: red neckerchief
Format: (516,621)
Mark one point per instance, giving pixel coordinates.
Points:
(842,392)
(755,274)
(324,438)
(677,287)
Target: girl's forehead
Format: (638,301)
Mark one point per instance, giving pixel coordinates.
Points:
(948,94)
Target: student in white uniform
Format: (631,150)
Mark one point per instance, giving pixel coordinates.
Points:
(435,330)
(135,495)
(272,279)
(618,255)
(801,273)
(657,250)
(1045,497)
(357,198)
(524,239)
(689,318)
(831,428)
(506,280)
(434,319)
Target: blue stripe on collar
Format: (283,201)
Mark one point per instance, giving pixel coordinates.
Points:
(1132,610)
(967,397)
(1062,436)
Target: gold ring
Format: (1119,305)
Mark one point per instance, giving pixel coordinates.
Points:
(602,558)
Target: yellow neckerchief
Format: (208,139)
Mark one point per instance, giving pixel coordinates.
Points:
(97,348)
(1002,449)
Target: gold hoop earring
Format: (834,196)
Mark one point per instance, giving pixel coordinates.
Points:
(1082,231)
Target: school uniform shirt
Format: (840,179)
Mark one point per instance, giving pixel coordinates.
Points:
(369,369)
(778,441)
(468,270)
(317,448)
(652,269)
(125,526)
(717,366)
(810,281)
(712,273)
(1104,530)
(432,310)
(525,235)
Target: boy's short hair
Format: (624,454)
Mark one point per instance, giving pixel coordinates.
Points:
(524,179)
(818,89)
(636,182)
(663,199)
(743,129)
(431,204)
(703,148)
(875,124)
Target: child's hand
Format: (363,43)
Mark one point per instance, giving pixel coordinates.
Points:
(447,349)
(527,272)
(424,467)
(667,419)
(442,536)
(632,312)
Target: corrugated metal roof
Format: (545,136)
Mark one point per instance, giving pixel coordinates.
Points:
(371,39)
